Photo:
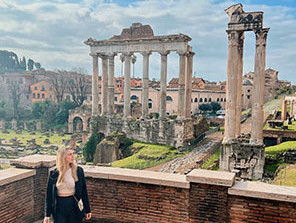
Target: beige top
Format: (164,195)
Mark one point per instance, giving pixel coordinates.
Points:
(68,185)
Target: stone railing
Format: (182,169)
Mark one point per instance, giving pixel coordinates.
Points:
(125,195)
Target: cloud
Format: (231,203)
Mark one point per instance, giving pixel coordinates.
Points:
(54,32)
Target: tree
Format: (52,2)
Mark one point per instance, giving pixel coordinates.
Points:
(134,60)
(77,88)
(122,59)
(37,65)
(63,114)
(59,85)
(23,64)
(8,62)
(205,107)
(2,110)
(15,92)
(215,106)
(30,64)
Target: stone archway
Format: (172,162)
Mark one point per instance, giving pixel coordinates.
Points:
(83,113)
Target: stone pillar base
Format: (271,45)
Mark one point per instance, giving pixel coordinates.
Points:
(244,159)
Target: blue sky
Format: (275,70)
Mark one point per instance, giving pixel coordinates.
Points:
(52,32)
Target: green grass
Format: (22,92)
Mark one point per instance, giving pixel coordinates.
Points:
(291,127)
(210,163)
(286,176)
(147,155)
(273,150)
(39,137)
(4,166)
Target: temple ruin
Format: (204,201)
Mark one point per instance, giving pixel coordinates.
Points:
(245,157)
(140,39)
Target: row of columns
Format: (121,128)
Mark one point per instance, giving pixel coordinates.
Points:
(107,90)
(234,86)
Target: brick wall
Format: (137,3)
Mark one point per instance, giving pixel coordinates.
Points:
(16,197)
(122,201)
(123,195)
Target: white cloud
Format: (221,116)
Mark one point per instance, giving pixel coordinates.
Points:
(54,32)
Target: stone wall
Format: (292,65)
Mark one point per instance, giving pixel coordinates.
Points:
(124,195)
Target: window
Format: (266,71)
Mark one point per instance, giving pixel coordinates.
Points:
(249,90)
(206,99)
(217,99)
(38,95)
(169,98)
(195,99)
(42,87)
(34,96)
(210,99)
(200,100)
(248,96)
(150,103)
(43,95)
(115,98)
(134,97)
(35,88)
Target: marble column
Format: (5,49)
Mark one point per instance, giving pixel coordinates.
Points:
(240,49)
(104,88)
(231,86)
(95,96)
(163,85)
(188,84)
(110,103)
(145,88)
(181,98)
(258,88)
(127,86)
(292,108)
(284,109)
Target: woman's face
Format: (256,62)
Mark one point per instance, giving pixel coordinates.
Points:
(69,157)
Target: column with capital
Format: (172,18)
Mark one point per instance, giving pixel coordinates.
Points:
(181,83)
(95,96)
(104,88)
(233,67)
(145,86)
(163,84)
(110,102)
(127,86)
(240,49)
(258,88)
(188,84)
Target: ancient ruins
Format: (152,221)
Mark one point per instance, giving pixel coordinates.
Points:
(242,156)
(140,39)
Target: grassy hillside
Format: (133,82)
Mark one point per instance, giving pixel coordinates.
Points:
(147,155)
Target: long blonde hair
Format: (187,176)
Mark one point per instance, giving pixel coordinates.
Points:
(62,167)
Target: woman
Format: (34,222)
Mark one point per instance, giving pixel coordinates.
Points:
(65,187)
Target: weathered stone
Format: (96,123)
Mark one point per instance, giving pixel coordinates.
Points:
(107,151)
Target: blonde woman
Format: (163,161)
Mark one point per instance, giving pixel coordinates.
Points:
(65,187)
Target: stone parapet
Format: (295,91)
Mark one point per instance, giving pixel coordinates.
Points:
(137,176)
(34,161)
(219,178)
(263,191)
(14,174)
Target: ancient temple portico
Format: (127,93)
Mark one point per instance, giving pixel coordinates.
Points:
(245,159)
(140,39)
(291,100)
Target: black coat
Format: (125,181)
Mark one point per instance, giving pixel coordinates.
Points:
(51,193)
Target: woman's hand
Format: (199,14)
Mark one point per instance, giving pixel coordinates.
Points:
(46,220)
(88,216)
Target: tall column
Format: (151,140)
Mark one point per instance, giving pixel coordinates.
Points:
(231,86)
(145,88)
(163,85)
(258,88)
(110,103)
(181,101)
(284,109)
(127,86)
(239,82)
(292,108)
(188,84)
(94,86)
(104,89)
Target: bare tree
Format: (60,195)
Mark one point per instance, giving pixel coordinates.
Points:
(58,83)
(15,92)
(78,89)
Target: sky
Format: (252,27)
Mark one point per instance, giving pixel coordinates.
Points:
(52,32)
